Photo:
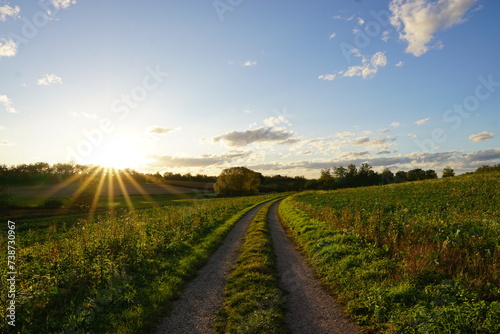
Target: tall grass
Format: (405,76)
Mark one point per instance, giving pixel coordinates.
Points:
(115,273)
(422,257)
(254,303)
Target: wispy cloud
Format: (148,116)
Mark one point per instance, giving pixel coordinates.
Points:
(343,18)
(395,124)
(332,35)
(159,130)
(368,68)
(482,136)
(5,143)
(7,104)
(422,121)
(418,20)
(274,121)
(49,79)
(250,63)
(7,10)
(385,36)
(63,3)
(411,135)
(399,64)
(327,77)
(8,48)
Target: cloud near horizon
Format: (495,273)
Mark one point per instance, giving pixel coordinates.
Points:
(259,135)
(205,160)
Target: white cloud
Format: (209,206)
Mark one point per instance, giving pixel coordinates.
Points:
(418,20)
(422,121)
(344,18)
(49,79)
(332,35)
(159,130)
(63,3)
(250,63)
(369,67)
(385,36)
(482,136)
(273,121)
(7,104)
(395,124)
(327,77)
(8,48)
(361,21)
(399,64)
(5,143)
(7,10)
(411,135)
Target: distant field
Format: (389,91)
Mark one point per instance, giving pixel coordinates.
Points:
(62,190)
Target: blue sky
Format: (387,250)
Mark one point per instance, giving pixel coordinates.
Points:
(282,87)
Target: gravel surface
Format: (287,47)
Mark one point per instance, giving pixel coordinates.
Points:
(195,311)
(309,308)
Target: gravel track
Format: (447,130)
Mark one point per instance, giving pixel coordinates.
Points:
(196,309)
(309,308)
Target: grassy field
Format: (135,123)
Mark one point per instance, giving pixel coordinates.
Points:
(420,257)
(117,272)
(254,303)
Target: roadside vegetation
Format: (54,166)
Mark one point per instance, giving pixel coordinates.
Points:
(117,272)
(420,257)
(254,303)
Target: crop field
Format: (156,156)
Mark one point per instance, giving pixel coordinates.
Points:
(116,272)
(420,257)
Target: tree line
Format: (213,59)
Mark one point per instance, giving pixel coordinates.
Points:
(330,178)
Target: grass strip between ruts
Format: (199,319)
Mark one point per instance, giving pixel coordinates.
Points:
(254,303)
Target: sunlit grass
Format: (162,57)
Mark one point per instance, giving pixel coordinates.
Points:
(421,257)
(116,272)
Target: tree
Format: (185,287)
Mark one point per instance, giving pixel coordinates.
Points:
(431,174)
(326,179)
(416,175)
(237,181)
(387,176)
(448,172)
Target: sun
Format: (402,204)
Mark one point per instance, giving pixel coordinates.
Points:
(116,151)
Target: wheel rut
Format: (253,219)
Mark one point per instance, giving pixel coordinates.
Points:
(310,309)
(195,311)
